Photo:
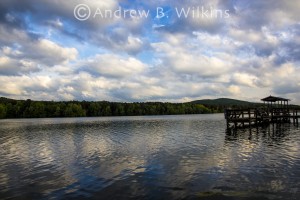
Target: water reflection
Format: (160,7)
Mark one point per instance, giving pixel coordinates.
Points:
(166,157)
(271,132)
(268,154)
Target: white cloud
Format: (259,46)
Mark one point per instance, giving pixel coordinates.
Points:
(55,23)
(9,66)
(234,89)
(197,64)
(18,86)
(286,70)
(51,53)
(24,54)
(256,49)
(244,79)
(185,56)
(113,66)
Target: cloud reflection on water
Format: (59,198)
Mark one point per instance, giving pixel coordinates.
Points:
(138,157)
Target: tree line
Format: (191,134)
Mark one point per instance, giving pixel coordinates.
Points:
(10,108)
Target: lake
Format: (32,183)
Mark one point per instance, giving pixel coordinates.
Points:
(148,157)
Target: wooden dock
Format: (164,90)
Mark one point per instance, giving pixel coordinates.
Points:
(258,116)
(274,110)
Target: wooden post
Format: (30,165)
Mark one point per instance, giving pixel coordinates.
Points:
(249,113)
(243,123)
(255,115)
(272,112)
(294,119)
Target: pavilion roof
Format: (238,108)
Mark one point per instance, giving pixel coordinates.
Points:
(274,99)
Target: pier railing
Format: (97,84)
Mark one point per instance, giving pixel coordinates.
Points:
(255,116)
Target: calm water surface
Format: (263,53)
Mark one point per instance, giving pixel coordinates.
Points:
(154,157)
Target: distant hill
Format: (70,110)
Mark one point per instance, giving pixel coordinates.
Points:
(221,103)
(218,105)
(6,100)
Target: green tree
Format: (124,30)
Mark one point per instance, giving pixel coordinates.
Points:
(120,111)
(2,111)
(10,112)
(57,111)
(36,110)
(74,110)
(19,109)
(106,111)
(94,109)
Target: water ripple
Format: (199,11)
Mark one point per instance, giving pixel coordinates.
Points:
(155,157)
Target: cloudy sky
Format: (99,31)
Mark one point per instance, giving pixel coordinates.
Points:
(159,50)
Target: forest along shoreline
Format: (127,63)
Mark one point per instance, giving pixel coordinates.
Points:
(10,108)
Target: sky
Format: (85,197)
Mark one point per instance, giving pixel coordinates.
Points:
(154,50)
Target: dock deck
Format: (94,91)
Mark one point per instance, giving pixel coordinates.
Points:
(239,118)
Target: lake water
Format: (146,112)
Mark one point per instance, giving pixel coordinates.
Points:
(151,157)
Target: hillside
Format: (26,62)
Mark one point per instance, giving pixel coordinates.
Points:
(218,105)
(6,100)
(223,102)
